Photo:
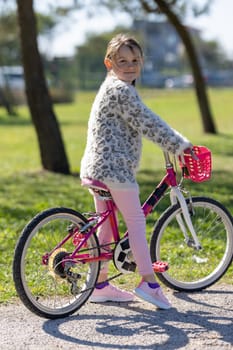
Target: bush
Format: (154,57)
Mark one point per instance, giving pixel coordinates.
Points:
(60,95)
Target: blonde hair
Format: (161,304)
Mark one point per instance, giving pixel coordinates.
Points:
(119,40)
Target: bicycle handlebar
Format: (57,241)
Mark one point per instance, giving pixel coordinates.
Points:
(167,158)
(197,164)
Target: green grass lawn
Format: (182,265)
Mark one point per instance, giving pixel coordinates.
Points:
(25,189)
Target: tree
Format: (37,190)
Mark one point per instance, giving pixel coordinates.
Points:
(174,10)
(9,43)
(51,145)
(9,49)
(212,54)
(166,8)
(89,59)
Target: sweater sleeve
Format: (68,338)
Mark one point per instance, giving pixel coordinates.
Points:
(147,123)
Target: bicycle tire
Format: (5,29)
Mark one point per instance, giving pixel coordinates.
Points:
(44,288)
(189,269)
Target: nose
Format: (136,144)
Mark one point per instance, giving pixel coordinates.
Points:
(130,64)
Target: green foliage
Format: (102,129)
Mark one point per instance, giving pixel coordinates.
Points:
(9,39)
(25,189)
(46,23)
(9,35)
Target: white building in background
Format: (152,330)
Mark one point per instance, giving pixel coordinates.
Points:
(12,77)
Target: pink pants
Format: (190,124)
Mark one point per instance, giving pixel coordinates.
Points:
(128,203)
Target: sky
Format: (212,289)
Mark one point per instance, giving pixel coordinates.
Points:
(217,25)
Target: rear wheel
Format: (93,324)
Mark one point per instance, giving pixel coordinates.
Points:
(48,282)
(191,269)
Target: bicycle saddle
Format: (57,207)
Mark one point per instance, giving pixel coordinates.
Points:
(97,187)
(94,184)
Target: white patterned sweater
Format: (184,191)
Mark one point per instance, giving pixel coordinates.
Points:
(117,123)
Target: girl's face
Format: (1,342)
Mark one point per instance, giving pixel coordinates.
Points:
(126,64)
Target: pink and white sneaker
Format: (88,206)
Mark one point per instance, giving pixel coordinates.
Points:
(110,293)
(154,296)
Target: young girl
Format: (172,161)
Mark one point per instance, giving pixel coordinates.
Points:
(118,121)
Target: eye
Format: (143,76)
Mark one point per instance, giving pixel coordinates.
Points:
(136,61)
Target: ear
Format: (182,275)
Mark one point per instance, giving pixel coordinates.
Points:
(108,63)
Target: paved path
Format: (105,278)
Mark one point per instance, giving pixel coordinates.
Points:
(199,321)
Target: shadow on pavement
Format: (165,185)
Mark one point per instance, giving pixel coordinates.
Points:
(131,326)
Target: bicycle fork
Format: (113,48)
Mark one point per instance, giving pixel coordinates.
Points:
(177,196)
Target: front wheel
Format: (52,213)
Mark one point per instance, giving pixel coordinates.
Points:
(48,282)
(191,269)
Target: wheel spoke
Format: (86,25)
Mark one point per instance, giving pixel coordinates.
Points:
(192,269)
(59,286)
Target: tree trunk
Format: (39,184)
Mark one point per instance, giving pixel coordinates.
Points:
(6,101)
(52,151)
(199,82)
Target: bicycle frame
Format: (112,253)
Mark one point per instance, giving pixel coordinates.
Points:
(58,257)
(97,219)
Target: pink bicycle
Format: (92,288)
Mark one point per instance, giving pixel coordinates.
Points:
(58,257)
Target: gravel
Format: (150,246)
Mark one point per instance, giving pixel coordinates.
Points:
(202,320)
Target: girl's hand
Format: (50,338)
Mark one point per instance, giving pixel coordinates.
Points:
(188,151)
(192,152)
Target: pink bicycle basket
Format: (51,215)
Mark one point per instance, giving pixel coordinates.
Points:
(198,170)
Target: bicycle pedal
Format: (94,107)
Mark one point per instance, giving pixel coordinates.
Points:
(160,266)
